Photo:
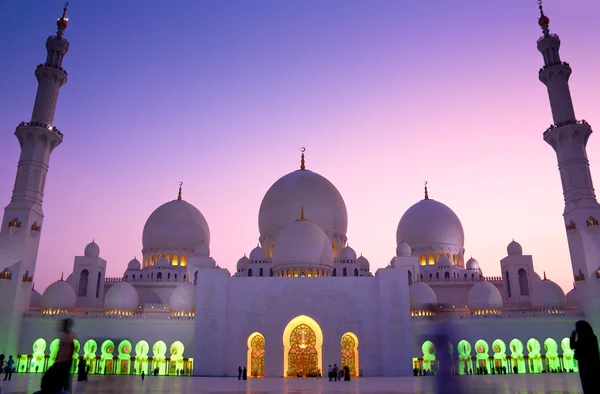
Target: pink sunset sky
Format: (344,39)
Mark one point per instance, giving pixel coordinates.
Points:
(384,94)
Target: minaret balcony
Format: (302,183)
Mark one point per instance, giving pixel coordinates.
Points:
(553,127)
(53,67)
(48,127)
(553,65)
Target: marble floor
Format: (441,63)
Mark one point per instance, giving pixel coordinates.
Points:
(561,383)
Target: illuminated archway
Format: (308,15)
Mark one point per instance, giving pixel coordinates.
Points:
(302,343)
(106,358)
(465,365)
(534,356)
(89,354)
(141,357)
(37,359)
(428,349)
(158,357)
(516,355)
(349,344)
(551,351)
(256,355)
(176,363)
(569,362)
(499,349)
(53,351)
(482,350)
(75,362)
(124,358)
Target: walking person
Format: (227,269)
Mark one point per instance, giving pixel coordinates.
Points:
(81,370)
(330,372)
(240,372)
(585,344)
(64,358)
(244,374)
(9,368)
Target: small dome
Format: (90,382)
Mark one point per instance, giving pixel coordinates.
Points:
(544,20)
(548,295)
(258,254)
(403,249)
(36,299)
(202,250)
(183,298)
(59,295)
(422,296)
(443,261)
(134,265)
(347,254)
(243,263)
(573,299)
(514,248)
(363,263)
(303,243)
(121,296)
(162,262)
(484,295)
(472,264)
(92,249)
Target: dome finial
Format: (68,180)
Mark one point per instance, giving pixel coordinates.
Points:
(426,194)
(302,218)
(179,194)
(302,164)
(61,276)
(545,276)
(63,22)
(544,21)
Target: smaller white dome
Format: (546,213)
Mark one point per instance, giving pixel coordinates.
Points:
(347,254)
(422,296)
(443,261)
(121,296)
(92,249)
(59,295)
(472,264)
(162,262)
(36,299)
(303,244)
(549,295)
(403,249)
(484,295)
(243,263)
(134,265)
(202,250)
(573,299)
(183,298)
(514,248)
(258,254)
(363,263)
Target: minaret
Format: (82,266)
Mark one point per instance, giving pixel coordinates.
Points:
(568,137)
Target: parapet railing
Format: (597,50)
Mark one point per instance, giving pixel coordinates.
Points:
(568,122)
(40,124)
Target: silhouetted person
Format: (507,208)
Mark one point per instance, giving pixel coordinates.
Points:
(244,374)
(143,375)
(240,372)
(585,344)
(64,358)
(9,368)
(81,370)
(51,383)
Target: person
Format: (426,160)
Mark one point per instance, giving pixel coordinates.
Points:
(51,383)
(330,372)
(244,374)
(585,344)
(143,375)
(1,363)
(81,372)
(240,372)
(64,357)
(9,368)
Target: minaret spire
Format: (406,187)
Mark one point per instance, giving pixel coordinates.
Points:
(302,163)
(426,193)
(179,194)
(568,137)
(62,22)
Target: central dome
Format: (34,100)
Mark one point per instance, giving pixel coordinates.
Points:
(175,225)
(430,222)
(323,203)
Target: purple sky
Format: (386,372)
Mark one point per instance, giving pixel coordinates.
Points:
(222,95)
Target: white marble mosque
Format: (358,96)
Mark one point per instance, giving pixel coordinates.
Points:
(308,299)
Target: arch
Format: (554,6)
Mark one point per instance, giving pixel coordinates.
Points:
(465,365)
(482,350)
(508,285)
(158,356)
(422,260)
(89,354)
(196,277)
(289,273)
(260,271)
(249,271)
(37,358)
(302,346)
(523,283)
(76,348)
(310,273)
(410,278)
(334,272)
(98,284)
(295,272)
(124,358)
(349,344)
(270,271)
(534,356)
(256,355)
(141,357)
(175,259)
(516,355)
(344,272)
(429,359)
(176,364)
(431,259)
(106,357)
(159,276)
(355,271)
(446,275)
(499,349)
(551,351)
(183,261)
(53,351)
(569,363)
(83,283)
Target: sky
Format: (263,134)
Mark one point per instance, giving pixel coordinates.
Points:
(384,94)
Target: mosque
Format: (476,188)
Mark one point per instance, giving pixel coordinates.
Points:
(308,299)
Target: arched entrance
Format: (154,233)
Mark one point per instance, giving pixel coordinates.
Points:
(256,355)
(302,342)
(349,344)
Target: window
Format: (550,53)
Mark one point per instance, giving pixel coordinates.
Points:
(295,273)
(447,275)
(423,260)
(195,277)
(250,272)
(309,273)
(438,256)
(508,285)
(334,272)
(289,273)
(260,272)
(183,260)
(175,260)
(430,259)
(410,280)
(98,284)
(271,272)
(344,272)
(168,276)
(316,273)
(523,283)
(159,276)
(83,283)
(355,271)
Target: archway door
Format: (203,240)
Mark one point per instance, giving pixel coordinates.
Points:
(303,341)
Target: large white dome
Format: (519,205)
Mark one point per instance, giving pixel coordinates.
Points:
(548,295)
(175,225)
(484,295)
(323,203)
(422,296)
(183,298)
(303,244)
(59,295)
(121,296)
(430,222)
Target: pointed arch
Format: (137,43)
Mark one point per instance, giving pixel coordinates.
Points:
(349,343)
(83,283)
(256,355)
(302,346)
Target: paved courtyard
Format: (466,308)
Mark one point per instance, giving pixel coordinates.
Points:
(562,383)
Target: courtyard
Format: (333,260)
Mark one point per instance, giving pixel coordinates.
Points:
(540,383)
